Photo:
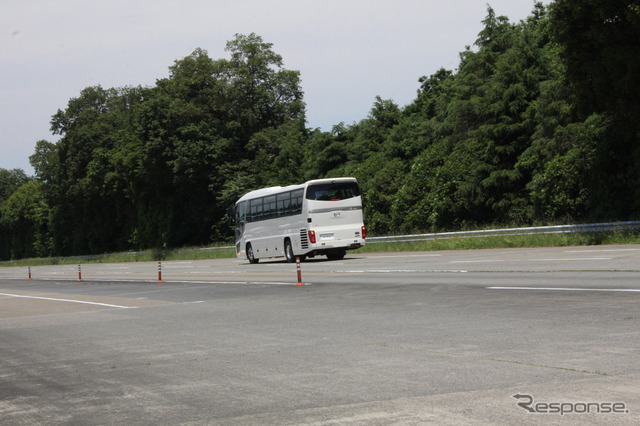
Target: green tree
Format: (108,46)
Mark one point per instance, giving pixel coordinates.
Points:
(87,186)
(208,124)
(326,152)
(601,47)
(600,44)
(561,190)
(45,161)
(476,125)
(262,93)
(10,181)
(152,167)
(23,223)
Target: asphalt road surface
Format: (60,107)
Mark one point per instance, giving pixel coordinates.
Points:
(535,336)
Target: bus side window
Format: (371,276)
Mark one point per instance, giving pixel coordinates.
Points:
(284,204)
(256,209)
(270,210)
(296,201)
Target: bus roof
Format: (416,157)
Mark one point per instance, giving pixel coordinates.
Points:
(278,189)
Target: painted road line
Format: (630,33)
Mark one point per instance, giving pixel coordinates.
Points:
(403,256)
(630,290)
(226,282)
(569,259)
(391,271)
(600,250)
(125,280)
(68,300)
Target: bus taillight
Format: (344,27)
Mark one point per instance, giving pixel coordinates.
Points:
(364,232)
(312,237)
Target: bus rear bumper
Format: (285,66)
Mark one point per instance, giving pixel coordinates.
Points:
(333,247)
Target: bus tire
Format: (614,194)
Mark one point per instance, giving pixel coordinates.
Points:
(336,255)
(250,256)
(288,251)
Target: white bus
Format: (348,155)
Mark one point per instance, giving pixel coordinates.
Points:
(319,217)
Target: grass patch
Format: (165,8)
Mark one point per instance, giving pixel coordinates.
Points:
(188,253)
(456,243)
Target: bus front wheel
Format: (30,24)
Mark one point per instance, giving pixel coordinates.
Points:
(250,256)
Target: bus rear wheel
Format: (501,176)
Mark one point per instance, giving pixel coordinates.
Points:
(288,251)
(336,255)
(250,256)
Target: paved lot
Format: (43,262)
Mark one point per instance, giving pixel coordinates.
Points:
(413,338)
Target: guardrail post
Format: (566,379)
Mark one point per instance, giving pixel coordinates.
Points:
(299,271)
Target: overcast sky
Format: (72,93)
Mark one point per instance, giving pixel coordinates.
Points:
(347,51)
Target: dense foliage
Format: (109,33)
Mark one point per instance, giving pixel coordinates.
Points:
(539,123)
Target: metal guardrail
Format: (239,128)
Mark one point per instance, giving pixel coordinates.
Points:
(557,229)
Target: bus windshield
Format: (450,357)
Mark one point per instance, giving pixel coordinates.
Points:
(334,191)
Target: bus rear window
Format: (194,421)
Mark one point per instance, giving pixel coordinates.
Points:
(332,191)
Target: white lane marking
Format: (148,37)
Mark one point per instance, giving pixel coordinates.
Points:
(390,271)
(631,290)
(111,280)
(600,250)
(68,300)
(225,282)
(569,259)
(403,256)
